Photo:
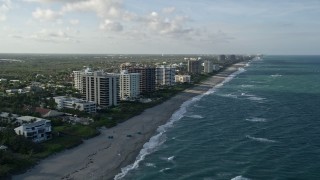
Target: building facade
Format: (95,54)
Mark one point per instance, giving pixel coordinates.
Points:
(75,103)
(36,129)
(147,78)
(222,58)
(215,67)
(77,78)
(207,66)
(182,78)
(129,85)
(101,88)
(194,66)
(165,76)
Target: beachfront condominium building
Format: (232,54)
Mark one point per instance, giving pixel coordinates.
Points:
(75,103)
(101,88)
(194,66)
(182,78)
(222,58)
(35,129)
(207,66)
(77,78)
(129,85)
(147,78)
(165,76)
(232,58)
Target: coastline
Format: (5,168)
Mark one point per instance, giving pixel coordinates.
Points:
(103,158)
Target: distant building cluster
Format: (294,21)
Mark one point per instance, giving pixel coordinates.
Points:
(107,89)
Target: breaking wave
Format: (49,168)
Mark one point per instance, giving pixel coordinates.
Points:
(255,119)
(195,116)
(264,140)
(240,178)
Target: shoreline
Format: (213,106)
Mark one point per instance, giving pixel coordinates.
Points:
(103,158)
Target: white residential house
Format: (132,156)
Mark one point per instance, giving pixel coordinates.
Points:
(182,78)
(75,103)
(35,129)
(129,85)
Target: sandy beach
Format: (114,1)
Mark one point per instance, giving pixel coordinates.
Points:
(103,158)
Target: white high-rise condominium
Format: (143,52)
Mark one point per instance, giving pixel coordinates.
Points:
(165,76)
(129,85)
(101,88)
(207,66)
(77,77)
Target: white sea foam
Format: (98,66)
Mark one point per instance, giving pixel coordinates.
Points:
(252,97)
(150,165)
(247,85)
(256,119)
(198,106)
(157,140)
(276,75)
(229,95)
(240,178)
(256,98)
(170,158)
(195,116)
(265,140)
(165,169)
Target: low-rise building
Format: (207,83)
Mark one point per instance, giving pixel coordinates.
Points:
(182,78)
(75,103)
(216,67)
(14,91)
(35,129)
(45,113)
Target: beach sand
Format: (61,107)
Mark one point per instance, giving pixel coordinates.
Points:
(103,158)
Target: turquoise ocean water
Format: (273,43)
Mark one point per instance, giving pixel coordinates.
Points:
(262,123)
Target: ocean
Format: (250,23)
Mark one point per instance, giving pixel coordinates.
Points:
(263,122)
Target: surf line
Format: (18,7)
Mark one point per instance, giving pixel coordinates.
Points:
(157,140)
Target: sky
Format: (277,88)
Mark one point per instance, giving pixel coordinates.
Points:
(160,26)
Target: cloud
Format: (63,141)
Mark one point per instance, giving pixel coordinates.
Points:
(5,7)
(103,8)
(46,14)
(168,10)
(74,21)
(109,25)
(54,36)
(51,1)
(113,15)
(219,37)
(172,27)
